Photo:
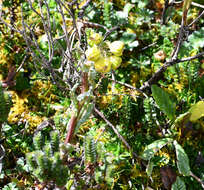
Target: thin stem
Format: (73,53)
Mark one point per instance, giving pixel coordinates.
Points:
(196,19)
(115,131)
(197,179)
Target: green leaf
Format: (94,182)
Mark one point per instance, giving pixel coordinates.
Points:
(86,114)
(128,37)
(196,39)
(181,120)
(178,185)
(149,168)
(127,8)
(151,149)
(197,111)
(182,160)
(164,101)
(22,82)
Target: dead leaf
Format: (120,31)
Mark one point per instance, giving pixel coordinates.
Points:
(160,55)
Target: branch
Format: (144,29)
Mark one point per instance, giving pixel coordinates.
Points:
(191,58)
(130,86)
(183,34)
(197,5)
(196,19)
(158,75)
(197,179)
(83,8)
(166,6)
(115,131)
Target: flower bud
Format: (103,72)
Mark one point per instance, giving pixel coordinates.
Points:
(103,65)
(93,53)
(94,39)
(115,62)
(116,48)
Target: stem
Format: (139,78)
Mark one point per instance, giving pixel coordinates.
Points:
(84,82)
(116,132)
(197,179)
(72,125)
(74,118)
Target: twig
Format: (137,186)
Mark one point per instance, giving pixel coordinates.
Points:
(196,19)
(166,6)
(24,59)
(115,131)
(119,95)
(197,5)
(157,76)
(108,32)
(45,124)
(189,58)
(131,87)
(197,179)
(148,46)
(174,56)
(83,8)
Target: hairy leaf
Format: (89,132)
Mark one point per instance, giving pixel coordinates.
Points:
(182,160)
(164,101)
(151,149)
(179,184)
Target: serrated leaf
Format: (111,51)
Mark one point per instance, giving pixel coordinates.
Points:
(151,149)
(197,111)
(182,160)
(178,185)
(164,101)
(149,168)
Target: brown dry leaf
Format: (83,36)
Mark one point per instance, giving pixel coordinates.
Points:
(160,55)
(168,177)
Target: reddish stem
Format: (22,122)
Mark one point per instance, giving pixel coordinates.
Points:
(74,117)
(84,82)
(72,125)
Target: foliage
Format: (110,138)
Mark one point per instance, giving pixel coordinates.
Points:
(6,104)
(179,184)
(46,162)
(114,79)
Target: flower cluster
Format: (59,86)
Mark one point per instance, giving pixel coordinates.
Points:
(104,60)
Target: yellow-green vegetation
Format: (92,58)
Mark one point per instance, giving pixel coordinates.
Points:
(101,94)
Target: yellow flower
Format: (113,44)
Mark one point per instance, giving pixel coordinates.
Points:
(94,39)
(117,47)
(103,65)
(115,62)
(179,86)
(93,53)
